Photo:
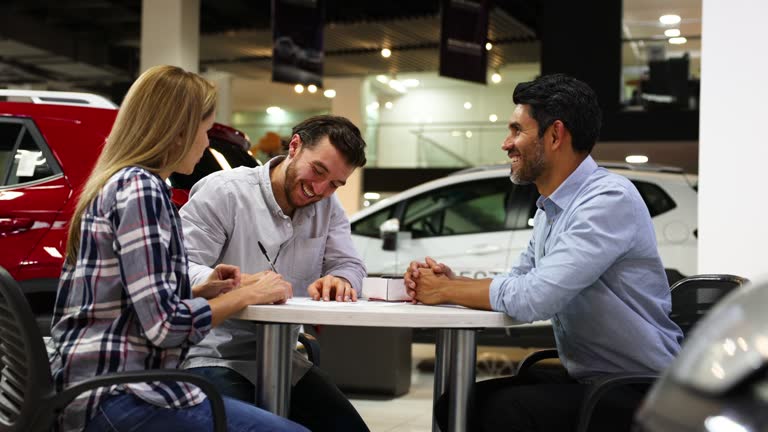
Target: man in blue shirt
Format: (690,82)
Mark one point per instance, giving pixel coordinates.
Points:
(592,267)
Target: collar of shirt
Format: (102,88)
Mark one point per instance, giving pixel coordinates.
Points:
(562,197)
(301,214)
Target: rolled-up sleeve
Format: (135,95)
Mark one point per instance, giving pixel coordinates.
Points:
(143,232)
(341,258)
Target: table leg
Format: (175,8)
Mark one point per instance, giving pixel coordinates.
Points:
(273,367)
(461,379)
(443,349)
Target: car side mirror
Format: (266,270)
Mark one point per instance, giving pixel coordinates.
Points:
(388,231)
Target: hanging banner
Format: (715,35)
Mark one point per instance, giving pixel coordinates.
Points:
(297,41)
(463,35)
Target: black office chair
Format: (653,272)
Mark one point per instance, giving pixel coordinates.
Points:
(692,298)
(28,400)
(311,347)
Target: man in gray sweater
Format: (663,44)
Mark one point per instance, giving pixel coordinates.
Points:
(286,208)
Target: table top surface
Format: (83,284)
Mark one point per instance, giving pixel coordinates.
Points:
(364,313)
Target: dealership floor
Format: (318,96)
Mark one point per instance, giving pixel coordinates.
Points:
(413,411)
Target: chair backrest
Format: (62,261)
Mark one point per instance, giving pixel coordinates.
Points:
(694,296)
(25,375)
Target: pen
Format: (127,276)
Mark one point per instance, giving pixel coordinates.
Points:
(264,251)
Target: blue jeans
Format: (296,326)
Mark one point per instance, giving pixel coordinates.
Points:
(127,413)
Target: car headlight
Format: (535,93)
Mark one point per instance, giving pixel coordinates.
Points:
(728,344)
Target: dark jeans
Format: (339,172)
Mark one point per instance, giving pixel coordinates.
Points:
(316,402)
(539,400)
(127,413)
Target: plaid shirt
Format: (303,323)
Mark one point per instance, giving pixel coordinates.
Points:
(126,305)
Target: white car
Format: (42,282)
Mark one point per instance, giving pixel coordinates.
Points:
(478,221)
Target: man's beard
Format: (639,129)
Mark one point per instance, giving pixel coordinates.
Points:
(291,184)
(531,166)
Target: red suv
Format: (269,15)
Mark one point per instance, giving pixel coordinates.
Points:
(48,146)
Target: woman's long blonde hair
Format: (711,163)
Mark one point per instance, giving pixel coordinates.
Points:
(155,128)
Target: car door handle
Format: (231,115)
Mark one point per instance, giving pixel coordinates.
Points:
(483,250)
(8,225)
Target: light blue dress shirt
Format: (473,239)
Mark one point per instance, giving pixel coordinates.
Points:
(593,267)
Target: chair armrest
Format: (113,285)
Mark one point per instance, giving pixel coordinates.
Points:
(63,398)
(535,357)
(601,387)
(312,346)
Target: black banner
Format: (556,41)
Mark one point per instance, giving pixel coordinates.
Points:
(463,36)
(297,41)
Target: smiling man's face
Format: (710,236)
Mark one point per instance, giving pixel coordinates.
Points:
(524,147)
(315,173)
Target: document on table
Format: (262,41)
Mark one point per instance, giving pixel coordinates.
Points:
(306,301)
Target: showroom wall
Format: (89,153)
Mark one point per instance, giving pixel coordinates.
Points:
(733,151)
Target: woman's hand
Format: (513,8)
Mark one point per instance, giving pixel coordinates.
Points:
(223,279)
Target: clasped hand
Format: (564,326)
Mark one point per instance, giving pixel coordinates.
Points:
(425,281)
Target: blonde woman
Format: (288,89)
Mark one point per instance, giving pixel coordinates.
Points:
(124,301)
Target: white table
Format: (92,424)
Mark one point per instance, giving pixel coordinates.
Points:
(455,351)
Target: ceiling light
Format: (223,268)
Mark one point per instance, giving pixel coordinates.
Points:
(411,82)
(274,110)
(638,159)
(672,32)
(373,105)
(382,79)
(488,46)
(468,134)
(298,88)
(388,105)
(467,105)
(455,133)
(493,118)
(669,19)
(371,195)
(496,77)
(678,40)
(312,88)
(397,86)
(330,93)
(386,52)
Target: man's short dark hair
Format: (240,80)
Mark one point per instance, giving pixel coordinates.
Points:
(341,132)
(561,97)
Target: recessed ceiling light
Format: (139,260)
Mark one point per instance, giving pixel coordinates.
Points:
(468,134)
(374,105)
(467,105)
(638,159)
(371,195)
(274,110)
(672,32)
(312,88)
(386,52)
(496,77)
(330,93)
(397,86)
(493,118)
(678,40)
(382,79)
(488,46)
(388,105)
(298,88)
(669,19)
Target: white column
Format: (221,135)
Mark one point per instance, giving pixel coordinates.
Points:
(348,103)
(170,33)
(223,82)
(733,232)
